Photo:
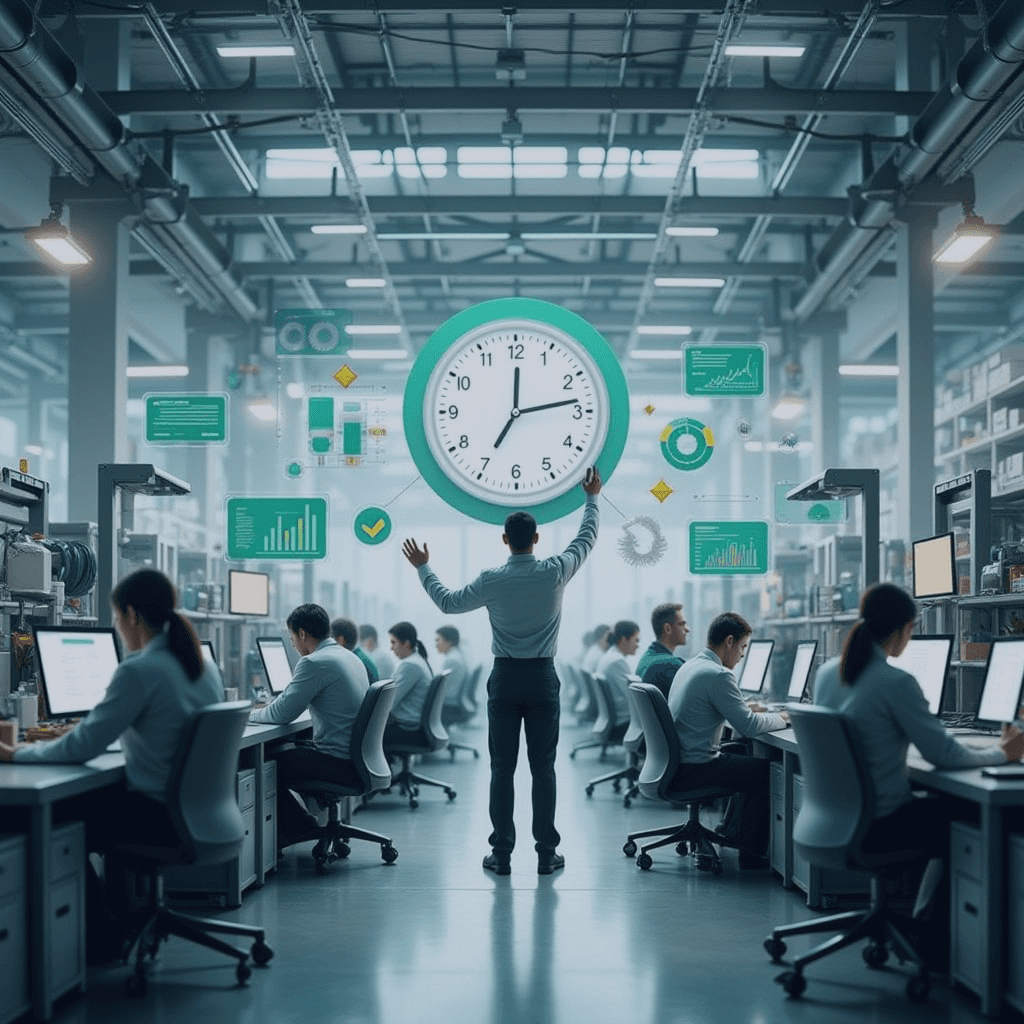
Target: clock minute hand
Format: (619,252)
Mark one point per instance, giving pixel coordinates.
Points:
(550,405)
(515,408)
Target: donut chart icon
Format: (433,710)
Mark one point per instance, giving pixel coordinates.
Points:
(687,444)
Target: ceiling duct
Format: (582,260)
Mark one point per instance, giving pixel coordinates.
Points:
(29,51)
(990,65)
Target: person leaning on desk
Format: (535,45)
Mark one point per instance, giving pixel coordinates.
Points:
(152,695)
(889,712)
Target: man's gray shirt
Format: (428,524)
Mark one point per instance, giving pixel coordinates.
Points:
(523,597)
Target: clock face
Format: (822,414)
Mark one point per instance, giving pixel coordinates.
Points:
(509,403)
(514,411)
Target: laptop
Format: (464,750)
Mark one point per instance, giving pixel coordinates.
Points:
(276,665)
(755,667)
(926,658)
(1001,690)
(208,650)
(799,688)
(76,665)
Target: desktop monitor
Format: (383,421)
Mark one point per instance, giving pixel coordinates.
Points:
(75,666)
(926,658)
(208,651)
(1000,693)
(934,566)
(755,666)
(248,593)
(800,677)
(276,665)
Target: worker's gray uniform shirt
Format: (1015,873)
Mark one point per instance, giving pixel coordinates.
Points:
(889,712)
(703,697)
(331,682)
(523,597)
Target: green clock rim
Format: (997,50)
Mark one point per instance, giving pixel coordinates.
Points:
(475,316)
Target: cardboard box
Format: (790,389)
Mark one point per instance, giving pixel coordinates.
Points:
(1015,465)
(1013,420)
(1000,420)
(1004,373)
(1008,354)
(974,652)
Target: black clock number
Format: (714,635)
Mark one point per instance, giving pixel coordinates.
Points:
(567,443)
(485,459)
(463,441)
(515,351)
(545,464)
(567,382)
(453,411)
(462,383)
(485,359)
(516,472)
(577,412)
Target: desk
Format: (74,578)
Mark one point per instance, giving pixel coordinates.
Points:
(994,799)
(37,787)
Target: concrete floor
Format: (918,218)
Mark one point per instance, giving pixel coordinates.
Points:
(436,938)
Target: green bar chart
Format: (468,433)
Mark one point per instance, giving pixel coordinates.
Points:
(729,548)
(277,528)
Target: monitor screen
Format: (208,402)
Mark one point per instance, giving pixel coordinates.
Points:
(802,662)
(926,658)
(208,651)
(1000,693)
(248,593)
(275,662)
(934,567)
(75,666)
(755,665)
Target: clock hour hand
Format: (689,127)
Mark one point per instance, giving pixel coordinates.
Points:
(550,405)
(508,426)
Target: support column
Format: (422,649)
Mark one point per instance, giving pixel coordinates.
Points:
(97,355)
(821,366)
(915,389)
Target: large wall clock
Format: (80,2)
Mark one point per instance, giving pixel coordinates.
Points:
(507,405)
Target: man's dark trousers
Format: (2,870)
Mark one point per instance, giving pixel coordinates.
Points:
(523,692)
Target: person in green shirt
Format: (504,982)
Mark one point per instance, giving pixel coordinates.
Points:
(658,664)
(346,635)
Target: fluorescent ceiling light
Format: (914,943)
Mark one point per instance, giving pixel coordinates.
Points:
(282,50)
(586,236)
(970,239)
(691,232)
(339,229)
(788,408)
(868,370)
(365,282)
(355,329)
(765,50)
(156,371)
(55,241)
(378,353)
(444,236)
(665,330)
(689,282)
(263,409)
(656,353)
(34,449)
(293,389)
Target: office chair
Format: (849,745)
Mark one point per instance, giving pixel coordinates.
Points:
(602,732)
(374,774)
(656,776)
(633,743)
(630,772)
(203,806)
(586,709)
(432,738)
(836,813)
(459,711)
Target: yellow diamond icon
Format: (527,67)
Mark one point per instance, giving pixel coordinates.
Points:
(345,376)
(649,409)
(661,490)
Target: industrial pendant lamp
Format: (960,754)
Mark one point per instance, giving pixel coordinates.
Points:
(971,238)
(54,240)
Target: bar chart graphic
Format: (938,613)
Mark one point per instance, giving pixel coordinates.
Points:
(729,548)
(277,528)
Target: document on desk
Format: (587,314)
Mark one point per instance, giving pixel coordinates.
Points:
(1004,771)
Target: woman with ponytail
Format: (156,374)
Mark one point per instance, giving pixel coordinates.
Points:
(412,679)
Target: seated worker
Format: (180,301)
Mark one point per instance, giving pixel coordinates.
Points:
(153,693)
(614,667)
(659,663)
(380,656)
(453,661)
(331,681)
(599,640)
(703,697)
(889,712)
(412,678)
(346,635)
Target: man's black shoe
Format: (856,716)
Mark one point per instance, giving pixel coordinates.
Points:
(752,861)
(549,862)
(498,864)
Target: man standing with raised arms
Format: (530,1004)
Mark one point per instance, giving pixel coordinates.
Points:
(523,599)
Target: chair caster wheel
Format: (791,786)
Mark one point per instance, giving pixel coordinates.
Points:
(617,786)
(135,985)
(572,755)
(918,989)
(341,849)
(243,972)
(261,953)
(627,802)
(388,854)
(644,862)
(451,794)
(705,862)
(413,802)
(875,955)
(793,982)
(682,849)
(589,790)
(775,948)
(476,755)
(629,848)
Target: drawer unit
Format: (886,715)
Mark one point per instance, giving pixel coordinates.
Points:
(246,788)
(247,855)
(67,854)
(777,833)
(968,919)
(65,927)
(1015,913)
(268,826)
(14,990)
(801,866)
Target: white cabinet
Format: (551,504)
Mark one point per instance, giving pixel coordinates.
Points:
(968,919)
(14,992)
(268,827)
(65,928)
(777,834)
(1015,911)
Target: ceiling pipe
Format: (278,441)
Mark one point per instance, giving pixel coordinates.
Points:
(983,73)
(29,51)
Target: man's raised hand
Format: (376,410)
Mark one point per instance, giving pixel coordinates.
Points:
(412,552)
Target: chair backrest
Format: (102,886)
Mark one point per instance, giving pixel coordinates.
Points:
(468,695)
(367,745)
(607,691)
(433,729)
(634,737)
(597,696)
(202,789)
(838,801)
(662,741)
